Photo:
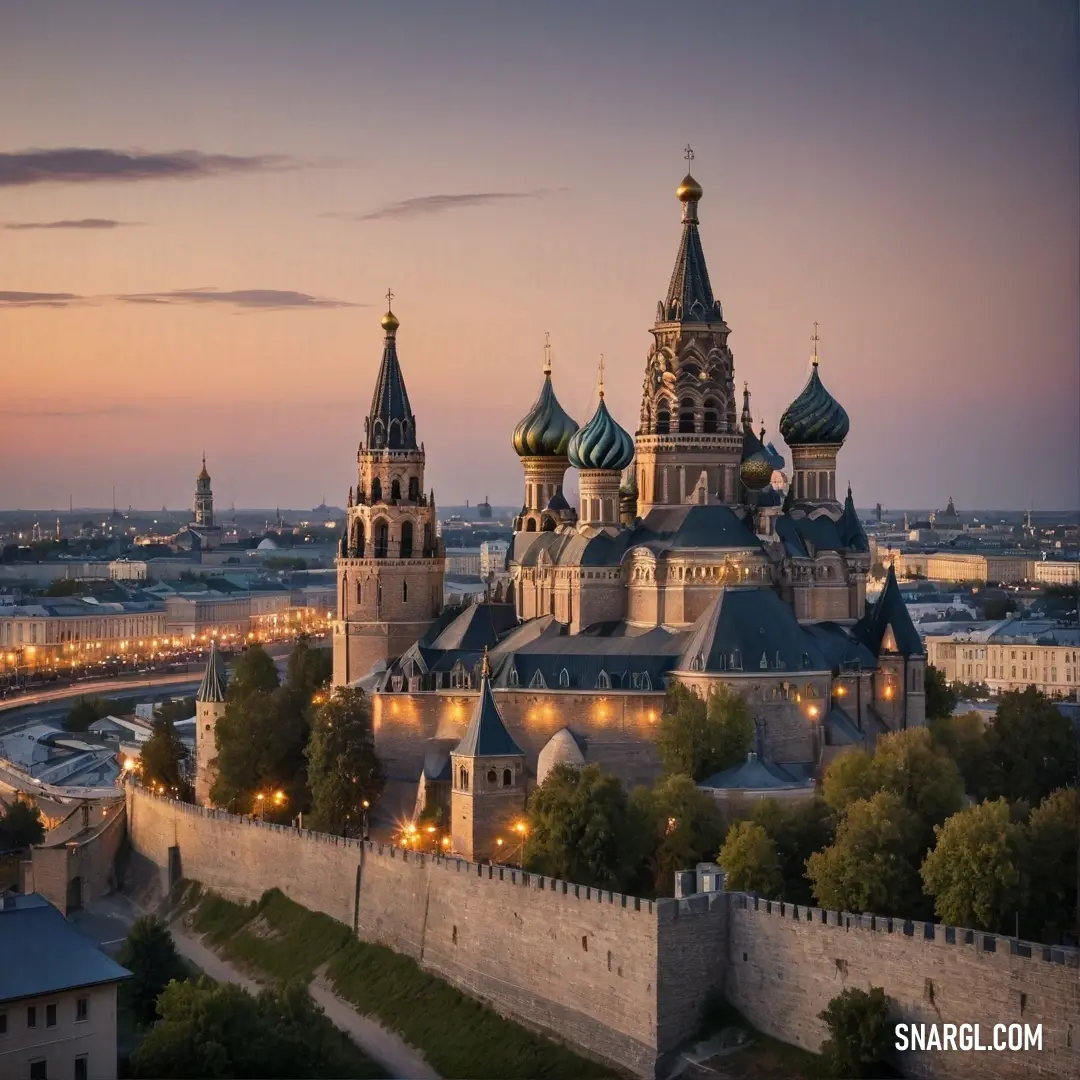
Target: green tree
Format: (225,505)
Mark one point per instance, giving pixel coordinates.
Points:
(180,709)
(582,828)
(847,779)
(858,1024)
(20,826)
(1053,840)
(750,860)
(872,865)
(164,759)
(974,871)
(86,710)
(910,765)
(343,769)
(940,700)
(685,825)
(699,737)
(798,829)
(253,673)
(963,738)
(309,669)
(149,954)
(1032,747)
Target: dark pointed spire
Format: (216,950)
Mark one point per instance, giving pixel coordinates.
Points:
(486,735)
(390,424)
(747,417)
(690,296)
(213,685)
(852,533)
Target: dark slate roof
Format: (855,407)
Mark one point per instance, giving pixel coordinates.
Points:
(841,647)
(692,526)
(754,774)
(479,625)
(690,296)
(44,954)
(775,457)
(890,610)
(841,729)
(437,761)
(213,686)
(391,423)
(751,629)
(486,735)
(852,533)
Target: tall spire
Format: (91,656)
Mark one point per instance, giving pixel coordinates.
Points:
(213,686)
(747,417)
(390,424)
(814,339)
(690,296)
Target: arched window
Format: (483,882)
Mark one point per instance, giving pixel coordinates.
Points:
(712,416)
(537,681)
(428,546)
(603,681)
(358,538)
(492,777)
(406,539)
(663,419)
(508,778)
(548,524)
(414,489)
(463,779)
(512,676)
(530,525)
(395,490)
(564,677)
(376,490)
(359,592)
(382,539)
(686,416)
(378,435)
(404,592)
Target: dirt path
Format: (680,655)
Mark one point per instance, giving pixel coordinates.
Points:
(399,1059)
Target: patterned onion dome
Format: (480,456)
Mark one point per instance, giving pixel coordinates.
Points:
(546,431)
(815,416)
(601,443)
(756,467)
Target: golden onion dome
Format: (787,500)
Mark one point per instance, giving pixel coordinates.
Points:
(756,470)
(689,190)
(389,322)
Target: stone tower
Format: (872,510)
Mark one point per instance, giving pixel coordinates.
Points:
(688,418)
(209,709)
(204,499)
(390,561)
(487,791)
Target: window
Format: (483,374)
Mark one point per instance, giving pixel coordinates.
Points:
(50,1016)
(406,539)
(603,681)
(39,1070)
(31,1016)
(537,681)
(686,416)
(395,490)
(564,678)
(512,676)
(404,592)
(663,420)
(508,778)
(492,777)
(81,1071)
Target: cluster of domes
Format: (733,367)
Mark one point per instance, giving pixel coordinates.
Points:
(547,428)
(601,443)
(815,416)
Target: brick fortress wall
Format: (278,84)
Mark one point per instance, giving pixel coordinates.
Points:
(625,979)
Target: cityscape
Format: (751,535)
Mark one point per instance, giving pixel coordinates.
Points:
(677,671)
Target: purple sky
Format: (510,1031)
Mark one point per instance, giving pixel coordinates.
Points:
(906,174)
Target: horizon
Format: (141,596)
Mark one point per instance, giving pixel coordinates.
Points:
(212,276)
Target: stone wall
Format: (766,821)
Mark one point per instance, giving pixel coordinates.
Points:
(625,979)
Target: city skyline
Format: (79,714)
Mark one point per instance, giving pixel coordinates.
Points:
(208,267)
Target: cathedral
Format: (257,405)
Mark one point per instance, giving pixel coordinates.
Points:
(680,562)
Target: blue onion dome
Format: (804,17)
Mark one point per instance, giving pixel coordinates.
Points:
(601,443)
(755,467)
(546,430)
(815,416)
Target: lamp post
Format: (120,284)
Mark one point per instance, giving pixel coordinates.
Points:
(364,807)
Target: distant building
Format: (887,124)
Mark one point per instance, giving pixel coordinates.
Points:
(492,557)
(464,562)
(57,996)
(1057,572)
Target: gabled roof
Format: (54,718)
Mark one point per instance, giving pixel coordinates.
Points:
(889,610)
(477,626)
(44,954)
(213,686)
(486,735)
(750,629)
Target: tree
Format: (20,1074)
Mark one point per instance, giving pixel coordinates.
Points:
(847,779)
(910,765)
(685,825)
(940,700)
(963,738)
(86,710)
(343,769)
(1031,747)
(872,865)
(974,871)
(1053,840)
(164,758)
(582,828)
(180,709)
(149,954)
(309,668)
(798,829)
(750,860)
(699,737)
(253,673)
(858,1024)
(20,826)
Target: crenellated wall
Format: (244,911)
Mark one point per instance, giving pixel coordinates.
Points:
(625,979)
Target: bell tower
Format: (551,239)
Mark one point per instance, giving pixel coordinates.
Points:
(204,498)
(688,418)
(390,561)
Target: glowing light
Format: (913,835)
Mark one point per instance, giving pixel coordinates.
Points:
(499,841)
(445,841)
(430,829)
(129,764)
(812,710)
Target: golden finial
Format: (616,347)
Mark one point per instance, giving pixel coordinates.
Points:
(688,153)
(547,352)
(600,377)
(814,339)
(485,666)
(689,190)
(389,321)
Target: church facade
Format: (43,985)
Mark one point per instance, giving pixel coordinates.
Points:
(681,562)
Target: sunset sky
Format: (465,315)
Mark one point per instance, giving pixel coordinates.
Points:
(905,173)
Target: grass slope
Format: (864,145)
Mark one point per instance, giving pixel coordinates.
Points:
(460,1037)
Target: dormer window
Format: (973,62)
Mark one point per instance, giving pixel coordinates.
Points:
(564,678)
(603,681)
(537,681)
(512,676)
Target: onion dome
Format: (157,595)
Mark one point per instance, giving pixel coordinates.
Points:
(815,416)
(546,430)
(755,468)
(389,322)
(689,190)
(601,443)
(203,474)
